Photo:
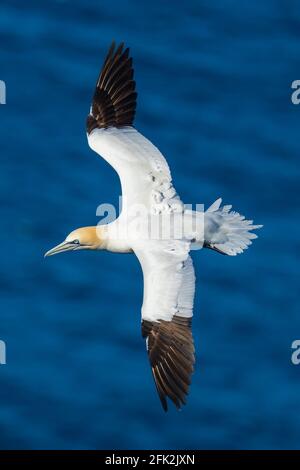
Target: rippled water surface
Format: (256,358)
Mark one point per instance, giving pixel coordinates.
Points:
(214,82)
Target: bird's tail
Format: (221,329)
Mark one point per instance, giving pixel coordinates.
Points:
(227,231)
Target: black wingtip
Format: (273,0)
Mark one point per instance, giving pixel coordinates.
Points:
(171,352)
(114,101)
(161,396)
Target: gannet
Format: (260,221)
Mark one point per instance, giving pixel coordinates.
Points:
(168,272)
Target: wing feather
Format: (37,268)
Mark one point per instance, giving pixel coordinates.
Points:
(169,284)
(114,101)
(143,170)
(171,355)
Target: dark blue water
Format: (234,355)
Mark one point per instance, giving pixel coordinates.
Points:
(214,82)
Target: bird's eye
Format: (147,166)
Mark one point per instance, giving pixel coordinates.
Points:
(76,242)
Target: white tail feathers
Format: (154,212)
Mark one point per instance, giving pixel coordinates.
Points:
(215,205)
(227,231)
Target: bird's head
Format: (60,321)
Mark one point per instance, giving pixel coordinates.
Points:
(85,238)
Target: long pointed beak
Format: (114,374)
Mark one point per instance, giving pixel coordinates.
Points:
(64,246)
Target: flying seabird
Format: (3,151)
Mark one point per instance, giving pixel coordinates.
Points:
(169,279)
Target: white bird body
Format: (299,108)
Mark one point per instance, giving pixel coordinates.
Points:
(155,225)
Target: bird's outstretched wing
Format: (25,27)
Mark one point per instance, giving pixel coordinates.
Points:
(169,287)
(144,173)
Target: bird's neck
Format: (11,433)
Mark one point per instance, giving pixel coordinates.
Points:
(113,238)
(96,237)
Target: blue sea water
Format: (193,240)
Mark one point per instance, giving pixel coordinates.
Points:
(214,82)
